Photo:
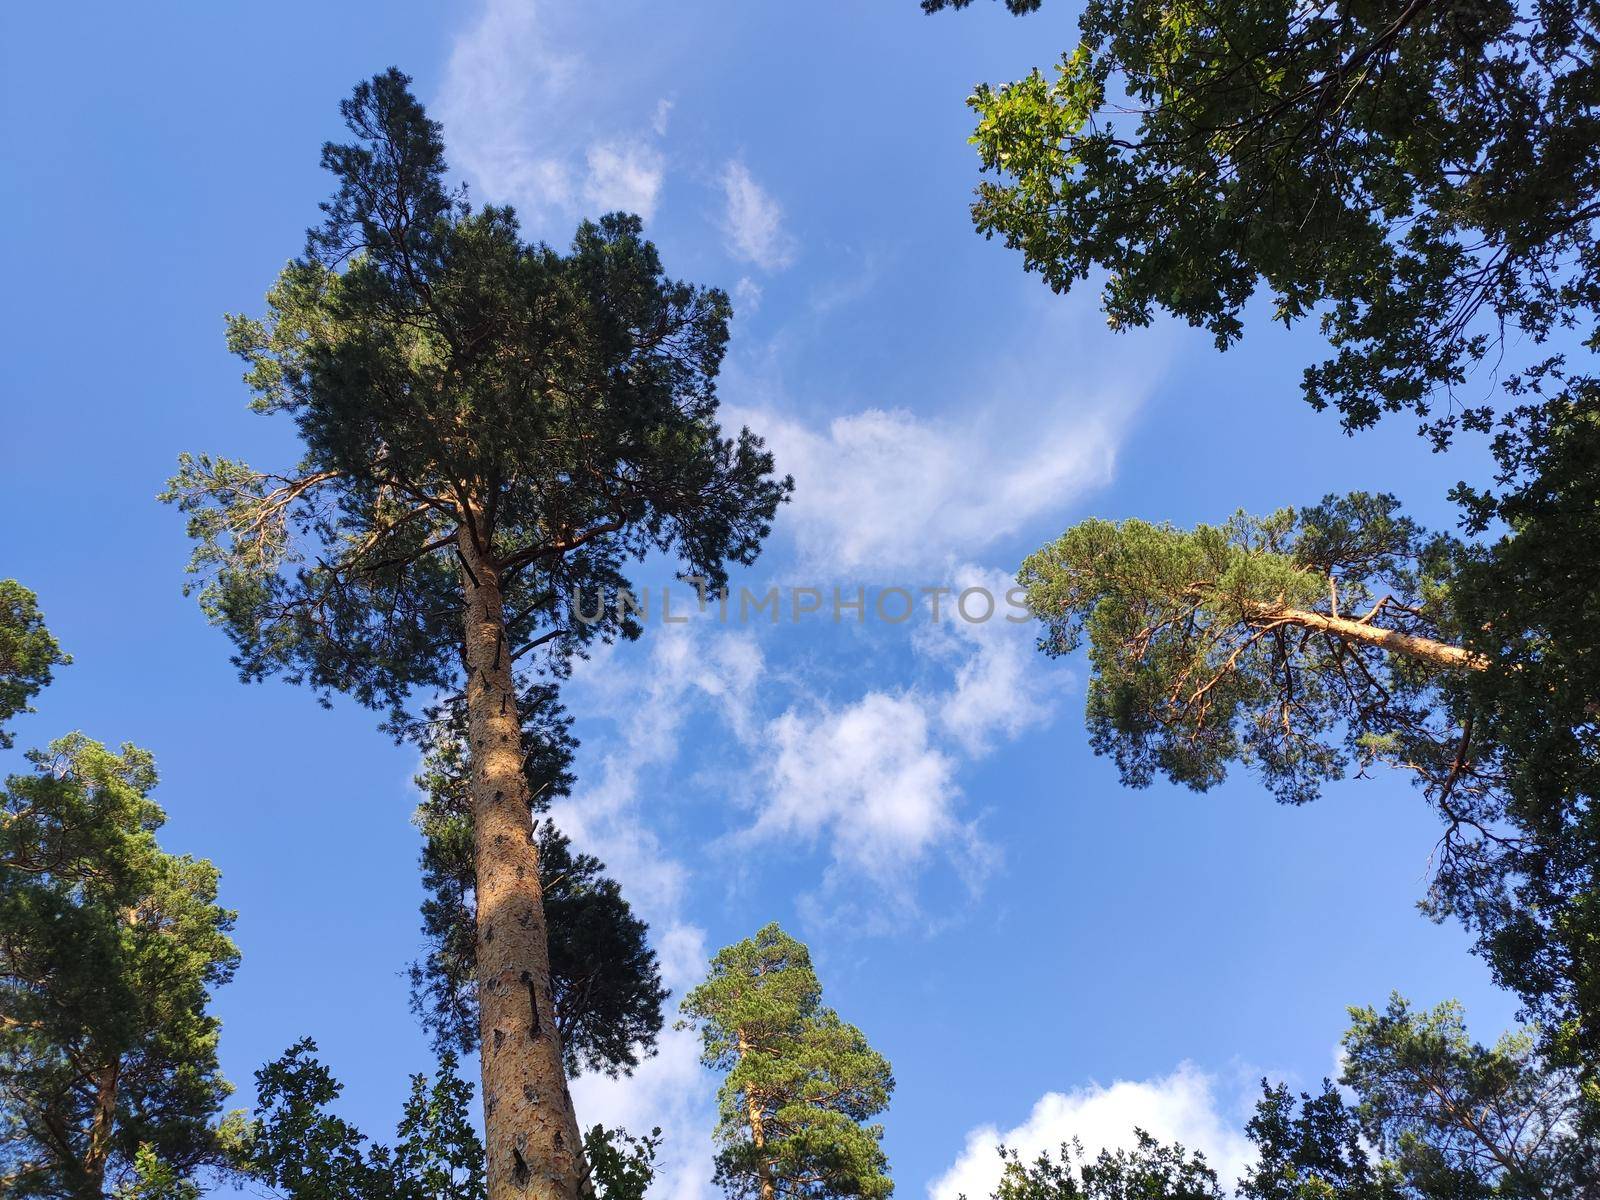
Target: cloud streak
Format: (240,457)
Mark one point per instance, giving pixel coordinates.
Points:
(753,221)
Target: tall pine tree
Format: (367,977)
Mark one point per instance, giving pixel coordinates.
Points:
(800,1084)
(486,424)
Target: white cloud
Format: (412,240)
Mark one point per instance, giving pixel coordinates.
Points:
(868,772)
(521,123)
(877,777)
(753,221)
(888,490)
(1180,1107)
(746,296)
(625,176)
(1011,437)
(671,1091)
(873,779)
(1002,686)
(662,116)
(502,77)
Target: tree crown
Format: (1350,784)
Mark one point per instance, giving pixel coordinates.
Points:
(800,1083)
(445,375)
(109,950)
(1421,180)
(27,653)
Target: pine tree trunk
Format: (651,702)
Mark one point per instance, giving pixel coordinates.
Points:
(1439,653)
(758,1132)
(530,1129)
(101,1126)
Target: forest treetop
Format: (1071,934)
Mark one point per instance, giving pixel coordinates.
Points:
(1420,178)
(446,375)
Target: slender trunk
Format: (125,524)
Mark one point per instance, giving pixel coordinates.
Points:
(100,1127)
(758,1132)
(530,1129)
(1441,654)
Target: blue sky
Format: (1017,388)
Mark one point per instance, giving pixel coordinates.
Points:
(1037,950)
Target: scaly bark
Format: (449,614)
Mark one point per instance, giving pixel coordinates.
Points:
(530,1129)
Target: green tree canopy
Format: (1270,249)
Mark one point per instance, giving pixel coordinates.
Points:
(109,951)
(800,1083)
(1457,1118)
(1529,599)
(27,653)
(1312,1148)
(1307,643)
(1149,1171)
(1432,1116)
(303,1151)
(1296,643)
(461,394)
(486,425)
(1420,180)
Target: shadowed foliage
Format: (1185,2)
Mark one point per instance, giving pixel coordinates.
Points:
(303,1151)
(608,992)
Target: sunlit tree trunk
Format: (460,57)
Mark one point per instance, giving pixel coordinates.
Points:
(758,1132)
(1430,650)
(530,1129)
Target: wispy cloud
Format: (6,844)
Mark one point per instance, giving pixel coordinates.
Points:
(502,76)
(1025,431)
(753,221)
(888,490)
(1001,687)
(663,115)
(519,118)
(746,296)
(877,778)
(624,175)
(1182,1107)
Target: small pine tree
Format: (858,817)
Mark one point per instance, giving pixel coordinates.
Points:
(109,950)
(801,1084)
